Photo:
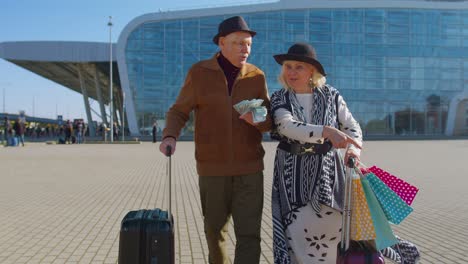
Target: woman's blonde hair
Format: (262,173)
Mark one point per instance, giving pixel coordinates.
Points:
(316,81)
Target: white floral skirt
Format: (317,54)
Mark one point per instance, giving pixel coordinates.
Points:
(312,237)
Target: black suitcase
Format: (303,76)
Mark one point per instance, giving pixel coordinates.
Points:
(147,236)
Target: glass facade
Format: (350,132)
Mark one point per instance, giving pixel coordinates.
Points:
(396,68)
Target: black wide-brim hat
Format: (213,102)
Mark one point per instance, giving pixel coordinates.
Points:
(301,52)
(231,25)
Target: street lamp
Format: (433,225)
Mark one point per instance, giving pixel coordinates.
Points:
(111,124)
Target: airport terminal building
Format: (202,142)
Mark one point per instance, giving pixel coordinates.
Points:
(402,66)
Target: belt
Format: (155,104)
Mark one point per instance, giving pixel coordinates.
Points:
(305,149)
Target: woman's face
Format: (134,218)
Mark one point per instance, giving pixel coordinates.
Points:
(297,74)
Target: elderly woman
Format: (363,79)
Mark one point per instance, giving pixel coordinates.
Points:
(312,122)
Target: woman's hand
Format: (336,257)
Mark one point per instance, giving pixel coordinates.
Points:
(351,153)
(338,138)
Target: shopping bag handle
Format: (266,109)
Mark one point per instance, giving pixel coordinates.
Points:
(362,165)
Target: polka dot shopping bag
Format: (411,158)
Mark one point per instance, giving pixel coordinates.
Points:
(362,226)
(395,209)
(406,191)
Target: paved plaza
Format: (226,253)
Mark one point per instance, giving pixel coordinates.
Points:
(64,203)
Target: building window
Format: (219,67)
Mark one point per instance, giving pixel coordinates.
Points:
(411,59)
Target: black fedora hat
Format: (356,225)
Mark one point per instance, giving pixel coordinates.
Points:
(301,52)
(230,25)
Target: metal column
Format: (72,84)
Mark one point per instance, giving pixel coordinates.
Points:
(118,108)
(99,96)
(115,109)
(92,129)
(122,114)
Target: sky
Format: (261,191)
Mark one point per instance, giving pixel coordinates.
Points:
(59,20)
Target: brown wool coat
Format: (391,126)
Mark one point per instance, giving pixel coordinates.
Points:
(224,144)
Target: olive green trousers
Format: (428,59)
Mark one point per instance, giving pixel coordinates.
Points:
(242,198)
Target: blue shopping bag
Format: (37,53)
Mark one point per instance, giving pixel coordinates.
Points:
(385,237)
(395,208)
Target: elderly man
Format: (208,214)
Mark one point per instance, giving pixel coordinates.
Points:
(228,147)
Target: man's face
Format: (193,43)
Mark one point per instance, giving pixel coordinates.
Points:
(236,47)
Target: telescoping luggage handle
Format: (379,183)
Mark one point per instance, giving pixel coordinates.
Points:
(168,154)
(345,228)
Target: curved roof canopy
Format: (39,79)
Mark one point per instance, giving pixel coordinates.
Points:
(59,61)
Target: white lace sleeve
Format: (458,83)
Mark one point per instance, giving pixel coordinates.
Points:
(348,124)
(297,130)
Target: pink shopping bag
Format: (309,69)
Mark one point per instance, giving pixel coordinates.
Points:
(406,191)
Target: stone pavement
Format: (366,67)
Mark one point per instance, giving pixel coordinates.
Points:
(64,203)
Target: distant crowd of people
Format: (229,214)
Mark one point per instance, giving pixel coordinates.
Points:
(72,132)
(14,132)
(104,132)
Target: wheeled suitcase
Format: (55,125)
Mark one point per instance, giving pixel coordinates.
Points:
(147,236)
(350,251)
